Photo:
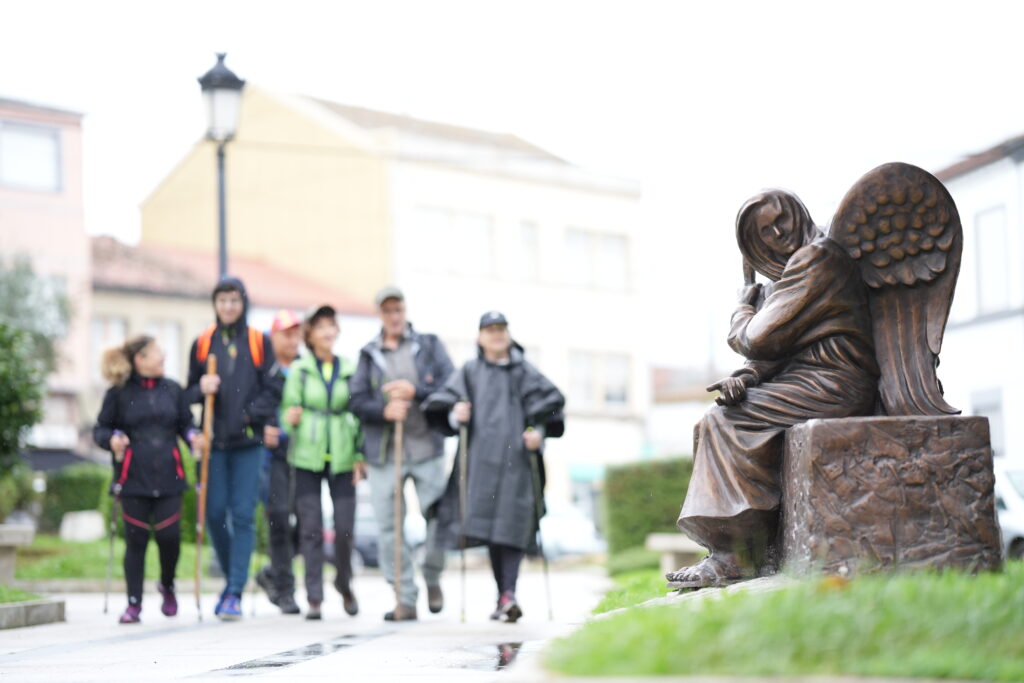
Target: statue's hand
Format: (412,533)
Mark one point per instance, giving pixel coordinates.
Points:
(749,294)
(732,389)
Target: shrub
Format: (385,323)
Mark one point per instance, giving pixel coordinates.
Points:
(16,492)
(631,560)
(642,498)
(76,487)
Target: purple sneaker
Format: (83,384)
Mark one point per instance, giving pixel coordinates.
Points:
(170,603)
(131,615)
(230,608)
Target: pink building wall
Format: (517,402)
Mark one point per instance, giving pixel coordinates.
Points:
(48,227)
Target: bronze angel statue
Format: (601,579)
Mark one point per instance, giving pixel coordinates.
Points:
(849,324)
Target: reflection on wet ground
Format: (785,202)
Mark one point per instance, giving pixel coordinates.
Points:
(299,654)
(506,655)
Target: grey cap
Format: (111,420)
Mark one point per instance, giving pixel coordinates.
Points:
(492,318)
(388,292)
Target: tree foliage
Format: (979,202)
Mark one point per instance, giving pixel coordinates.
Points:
(21,392)
(35,305)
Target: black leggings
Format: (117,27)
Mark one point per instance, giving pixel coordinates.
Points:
(165,513)
(505,562)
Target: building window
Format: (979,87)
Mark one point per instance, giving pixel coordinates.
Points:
(30,157)
(167,334)
(106,332)
(598,381)
(457,242)
(527,266)
(992,261)
(596,260)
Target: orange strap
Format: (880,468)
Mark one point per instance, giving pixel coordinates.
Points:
(206,340)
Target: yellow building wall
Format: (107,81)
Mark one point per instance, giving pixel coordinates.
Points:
(299,195)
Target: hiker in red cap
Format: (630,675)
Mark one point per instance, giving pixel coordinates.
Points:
(143,415)
(278,479)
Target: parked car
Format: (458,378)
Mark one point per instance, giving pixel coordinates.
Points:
(1010,509)
(566,530)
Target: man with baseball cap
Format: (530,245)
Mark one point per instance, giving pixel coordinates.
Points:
(396,371)
(277,578)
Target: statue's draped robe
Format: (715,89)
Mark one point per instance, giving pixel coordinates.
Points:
(810,347)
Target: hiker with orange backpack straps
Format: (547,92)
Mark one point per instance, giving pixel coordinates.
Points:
(143,416)
(247,389)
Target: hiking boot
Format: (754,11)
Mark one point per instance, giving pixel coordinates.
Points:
(509,608)
(131,615)
(401,613)
(229,608)
(287,604)
(264,581)
(170,604)
(435,599)
(348,598)
(313,613)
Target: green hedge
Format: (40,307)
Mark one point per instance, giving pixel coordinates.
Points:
(16,491)
(643,498)
(76,487)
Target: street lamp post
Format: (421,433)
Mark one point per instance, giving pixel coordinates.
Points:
(222,93)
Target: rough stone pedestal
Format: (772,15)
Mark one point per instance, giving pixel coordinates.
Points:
(862,494)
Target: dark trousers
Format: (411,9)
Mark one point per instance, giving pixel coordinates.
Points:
(277,503)
(311,531)
(505,561)
(231,510)
(141,514)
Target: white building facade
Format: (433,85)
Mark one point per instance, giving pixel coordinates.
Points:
(555,249)
(982,368)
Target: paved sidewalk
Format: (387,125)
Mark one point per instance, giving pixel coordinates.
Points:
(91,646)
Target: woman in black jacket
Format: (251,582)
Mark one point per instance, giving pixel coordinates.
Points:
(143,415)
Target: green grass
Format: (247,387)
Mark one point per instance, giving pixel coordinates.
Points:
(941,625)
(51,558)
(632,588)
(15,595)
(632,560)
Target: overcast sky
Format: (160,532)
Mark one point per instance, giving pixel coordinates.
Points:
(703,105)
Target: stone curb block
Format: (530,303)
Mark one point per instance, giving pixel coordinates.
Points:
(31,613)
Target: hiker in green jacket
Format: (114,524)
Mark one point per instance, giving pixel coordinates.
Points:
(326,444)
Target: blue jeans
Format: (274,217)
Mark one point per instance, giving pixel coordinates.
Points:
(230,511)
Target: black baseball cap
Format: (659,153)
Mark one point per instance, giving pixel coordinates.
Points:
(325,311)
(492,318)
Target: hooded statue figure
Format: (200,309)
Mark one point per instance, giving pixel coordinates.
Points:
(807,338)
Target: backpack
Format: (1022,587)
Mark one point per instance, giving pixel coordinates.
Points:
(255,345)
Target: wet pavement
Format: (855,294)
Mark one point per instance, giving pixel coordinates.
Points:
(91,646)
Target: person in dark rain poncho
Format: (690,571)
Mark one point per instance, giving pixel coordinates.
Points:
(509,408)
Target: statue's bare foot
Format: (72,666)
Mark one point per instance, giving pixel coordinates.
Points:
(717,569)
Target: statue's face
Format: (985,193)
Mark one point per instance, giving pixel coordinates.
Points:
(776,228)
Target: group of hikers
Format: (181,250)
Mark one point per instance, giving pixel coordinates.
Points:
(285,422)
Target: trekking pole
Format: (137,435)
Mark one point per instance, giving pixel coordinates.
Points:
(399,518)
(538,498)
(114,504)
(201,485)
(463,480)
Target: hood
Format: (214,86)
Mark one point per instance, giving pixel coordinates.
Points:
(230,283)
(766,261)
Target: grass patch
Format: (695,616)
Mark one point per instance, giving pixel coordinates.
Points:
(51,558)
(8,594)
(940,625)
(632,588)
(632,560)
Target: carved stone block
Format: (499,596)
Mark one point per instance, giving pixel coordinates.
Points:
(885,492)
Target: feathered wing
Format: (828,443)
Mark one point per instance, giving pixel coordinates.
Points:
(899,223)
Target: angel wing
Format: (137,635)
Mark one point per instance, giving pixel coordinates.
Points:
(899,223)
